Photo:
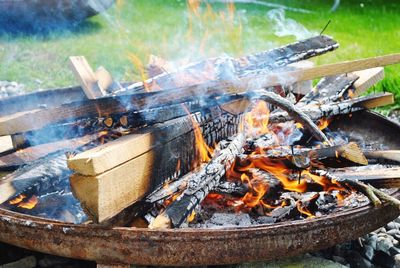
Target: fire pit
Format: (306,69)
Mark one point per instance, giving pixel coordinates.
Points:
(142,157)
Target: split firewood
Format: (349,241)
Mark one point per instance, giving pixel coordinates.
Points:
(338,108)
(292,111)
(45,98)
(381,178)
(41,174)
(303,158)
(38,176)
(22,157)
(367,79)
(374,195)
(385,155)
(199,186)
(135,164)
(228,68)
(22,122)
(110,155)
(5,144)
(90,82)
(329,89)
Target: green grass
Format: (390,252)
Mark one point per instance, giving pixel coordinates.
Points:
(160,27)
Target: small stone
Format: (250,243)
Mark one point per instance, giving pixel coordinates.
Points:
(384,244)
(372,241)
(28,262)
(368,252)
(391,226)
(340,260)
(393,232)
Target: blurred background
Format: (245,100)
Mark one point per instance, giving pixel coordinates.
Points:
(123,37)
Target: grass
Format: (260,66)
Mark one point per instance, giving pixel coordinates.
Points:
(136,29)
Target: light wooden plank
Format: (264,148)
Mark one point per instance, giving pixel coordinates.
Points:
(86,77)
(367,79)
(5,144)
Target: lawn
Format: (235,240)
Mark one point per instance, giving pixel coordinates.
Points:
(123,38)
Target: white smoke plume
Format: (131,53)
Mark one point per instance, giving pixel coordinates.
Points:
(288,27)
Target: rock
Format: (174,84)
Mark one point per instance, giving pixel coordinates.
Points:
(383,260)
(397,260)
(27,262)
(384,244)
(340,260)
(368,252)
(391,226)
(372,241)
(393,232)
(357,261)
(304,261)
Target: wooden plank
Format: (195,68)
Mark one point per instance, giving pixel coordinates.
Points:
(30,154)
(45,98)
(23,121)
(381,177)
(335,68)
(390,155)
(5,144)
(86,77)
(106,194)
(112,154)
(367,79)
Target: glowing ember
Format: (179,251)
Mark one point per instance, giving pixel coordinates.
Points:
(17,200)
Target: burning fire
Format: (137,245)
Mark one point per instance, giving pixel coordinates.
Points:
(22,201)
(256,121)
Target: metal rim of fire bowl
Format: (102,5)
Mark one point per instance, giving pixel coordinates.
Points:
(184,247)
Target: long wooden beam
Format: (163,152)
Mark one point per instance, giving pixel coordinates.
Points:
(36,119)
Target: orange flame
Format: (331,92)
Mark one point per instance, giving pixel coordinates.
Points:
(136,61)
(324,123)
(304,210)
(258,189)
(21,202)
(256,121)
(17,200)
(203,151)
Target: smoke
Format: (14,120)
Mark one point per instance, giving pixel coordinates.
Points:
(288,27)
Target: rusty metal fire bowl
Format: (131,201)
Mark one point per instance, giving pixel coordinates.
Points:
(208,246)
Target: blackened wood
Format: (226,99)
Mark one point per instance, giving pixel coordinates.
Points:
(226,68)
(293,111)
(328,89)
(199,186)
(338,108)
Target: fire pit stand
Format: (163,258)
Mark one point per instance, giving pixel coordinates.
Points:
(142,246)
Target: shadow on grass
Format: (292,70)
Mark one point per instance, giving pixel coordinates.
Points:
(57,29)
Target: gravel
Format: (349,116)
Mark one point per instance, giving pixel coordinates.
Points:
(8,89)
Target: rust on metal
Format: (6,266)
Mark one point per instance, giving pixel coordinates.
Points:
(188,247)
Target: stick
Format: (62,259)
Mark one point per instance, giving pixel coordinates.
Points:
(199,186)
(332,109)
(294,112)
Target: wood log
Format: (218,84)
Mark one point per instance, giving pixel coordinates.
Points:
(226,68)
(199,186)
(344,107)
(380,178)
(140,163)
(388,155)
(19,158)
(329,89)
(86,77)
(303,158)
(21,122)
